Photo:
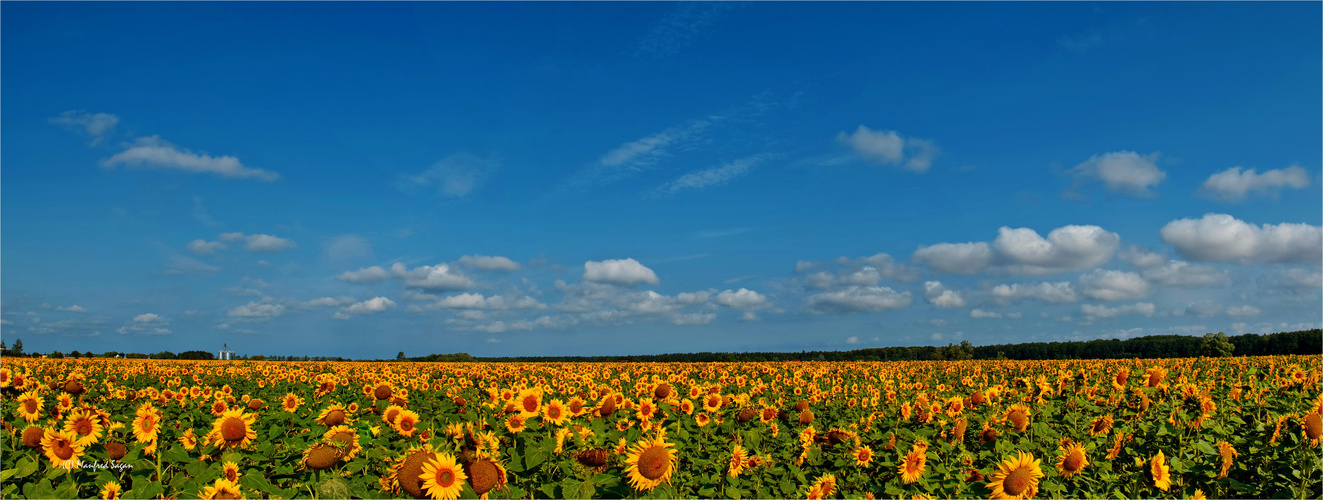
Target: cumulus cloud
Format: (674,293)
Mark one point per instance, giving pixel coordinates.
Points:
(886,147)
(979,313)
(149,318)
(744,300)
(370,306)
(1023,252)
(820,279)
(1232,184)
(1124,172)
(1297,280)
(257,311)
(155,153)
(494,302)
(1091,311)
(259,242)
(95,125)
(204,247)
(489,263)
(74,308)
(858,299)
(1223,238)
(626,272)
(455,176)
(366,275)
(328,302)
(693,319)
(1056,292)
(941,296)
(1115,286)
(604,304)
(1142,257)
(1244,311)
(711,177)
(146,324)
(1186,275)
(438,277)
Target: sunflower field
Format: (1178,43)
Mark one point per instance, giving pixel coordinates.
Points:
(1176,428)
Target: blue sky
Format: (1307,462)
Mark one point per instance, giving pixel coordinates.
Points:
(357,179)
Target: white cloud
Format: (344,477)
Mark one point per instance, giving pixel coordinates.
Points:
(1023,252)
(254,310)
(455,176)
(204,247)
(1202,309)
(489,263)
(627,272)
(1115,285)
(858,299)
(886,147)
(605,304)
(1297,280)
(259,242)
(146,324)
(155,153)
(1244,311)
(1123,172)
(149,318)
(1183,274)
(74,308)
(692,297)
(1232,184)
(979,313)
(438,277)
(96,126)
(712,176)
(473,314)
(180,264)
(1056,292)
(1091,311)
(744,300)
(1223,238)
(370,306)
(820,279)
(941,296)
(866,276)
(804,265)
(328,302)
(495,302)
(1142,257)
(852,340)
(693,319)
(366,275)
(645,151)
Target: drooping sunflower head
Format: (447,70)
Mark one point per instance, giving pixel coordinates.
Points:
(391,413)
(1101,425)
(1072,460)
(650,463)
(1313,424)
(484,475)
(1016,477)
(233,429)
(1160,471)
(442,477)
(32,435)
(1018,415)
(333,415)
(737,459)
(322,456)
(383,390)
(345,437)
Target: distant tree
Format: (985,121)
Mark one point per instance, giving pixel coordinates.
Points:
(257,357)
(18,347)
(196,355)
(163,355)
(3,346)
(75,354)
(400,356)
(1216,345)
(57,355)
(109,354)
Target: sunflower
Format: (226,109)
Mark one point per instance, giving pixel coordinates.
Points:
(381,390)
(1160,471)
(1016,477)
(1100,425)
(291,403)
(555,412)
(322,456)
(406,423)
(485,475)
(702,419)
(1313,428)
(913,465)
(222,488)
(1198,495)
(823,487)
(219,407)
(561,434)
(863,456)
(442,477)
(650,463)
(1018,415)
(737,459)
(1072,460)
(84,424)
(646,408)
(230,471)
(111,490)
(529,403)
(146,425)
(62,448)
(188,439)
(30,405)
(712,402)
(405,471)
(233,429)
(1228,454)
(346,437)
(576,406)
(515,424)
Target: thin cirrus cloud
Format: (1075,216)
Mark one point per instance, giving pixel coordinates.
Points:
(252,242)
(711,177)
(1121,172)
(1223,238)
(95,125)
(1023,251)
(154,153)
(1233,184)
(886,147)
(455,176)
(680,28)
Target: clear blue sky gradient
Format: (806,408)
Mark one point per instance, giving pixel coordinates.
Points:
(655,177)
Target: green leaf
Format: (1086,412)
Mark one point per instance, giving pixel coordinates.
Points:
(25,467)
(146,489)
(573,488)
(535,457)
(550,490)
(42,489)
(334,487)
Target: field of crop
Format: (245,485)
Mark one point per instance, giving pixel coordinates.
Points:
(1178,428)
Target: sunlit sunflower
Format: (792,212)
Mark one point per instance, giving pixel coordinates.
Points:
(702,419)
(1016,477)
(1072,460)
(1228,454)
(147,424)
(863,456)
(291,402)
(222,488)
(381,390)
(111,491)
(712,402)
(345,437)
(442,477)
(391,413)
(62,448)
(406,423)
(1157,467)
(65,402)
(1100,425)
(84,424)
(823,487)
(188,439)
(233,429)
(1313,428)
(219,407)
(555,412)
(913,465)
(645,409)
(1018,416)
(737,459)
(650,463)
(529,403)
(230,472)
(333,415)
(1198,495)
(515,424)
(485,475)
(30,405)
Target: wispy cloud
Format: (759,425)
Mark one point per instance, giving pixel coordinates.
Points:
(710,177)
(681,27)
(97,126)
(1232,184)
(158,154)
(718,233)
(455,176)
